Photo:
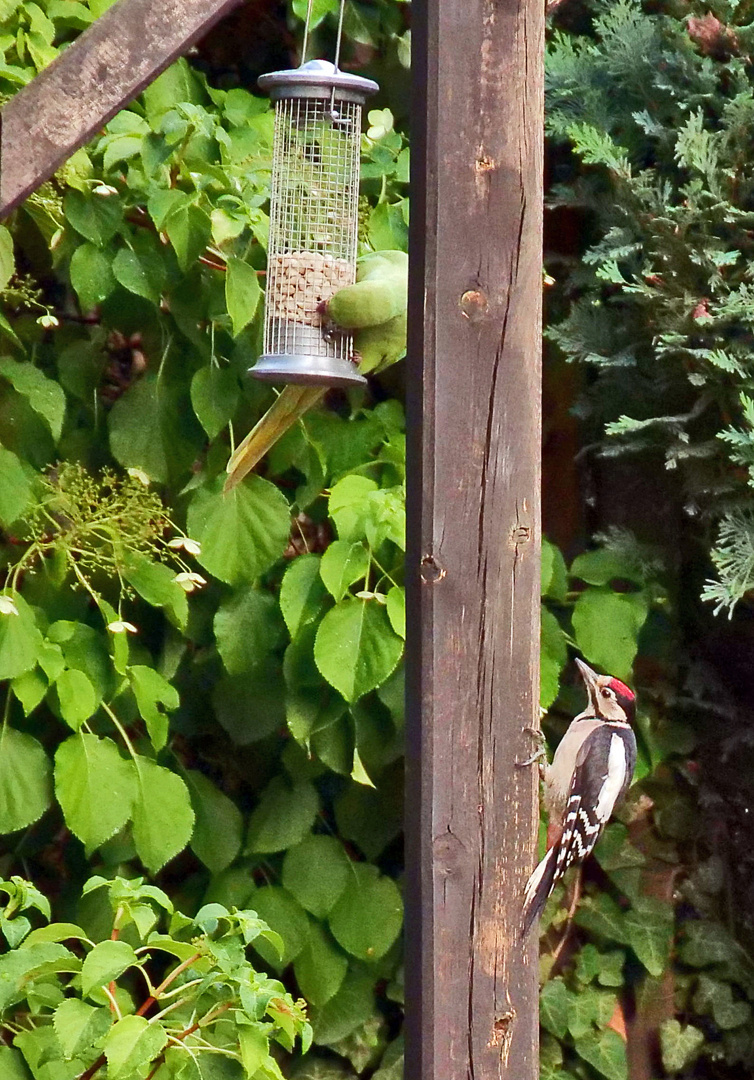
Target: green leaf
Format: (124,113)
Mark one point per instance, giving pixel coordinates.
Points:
(107,961)
(250,706)
(553,654)
(45,396)
(247,628)
(356,648)
(218,828)
(15,488)
(25,780)
(368,917)
(343,564)
(606,626)
(242,533)
(142,272)
(302,592)
(76,697)
(19,967)
(214,395)
(95,787)
(254,1044)
(7,262)
(680,1045)
(156,583)
(320,967)
(347,1010)
(315,872)
(20,640)
(132,1043)
(29,688)
(91,276)
(12,1065)
(155,697)
(285,814)
(163,820)
(242,293)
(188,230)
(285,916)
(96,219)
(606,1052)
(396,610)
(320,8)
(553,1007)
(349,506)
(554,573)
(146,431)
(79,1026)
(649,925)
(604,565)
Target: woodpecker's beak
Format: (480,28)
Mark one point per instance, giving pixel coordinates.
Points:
(590,678)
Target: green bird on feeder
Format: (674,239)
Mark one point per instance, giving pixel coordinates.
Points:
(374,309)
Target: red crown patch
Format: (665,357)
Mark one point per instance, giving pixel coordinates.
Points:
(622,689)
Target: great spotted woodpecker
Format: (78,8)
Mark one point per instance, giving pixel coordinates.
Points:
(590,773)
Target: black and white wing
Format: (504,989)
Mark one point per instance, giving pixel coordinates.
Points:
(604,768)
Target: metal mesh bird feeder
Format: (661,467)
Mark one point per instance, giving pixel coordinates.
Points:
(314,204)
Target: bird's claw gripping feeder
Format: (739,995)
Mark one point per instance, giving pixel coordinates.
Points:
(314,206)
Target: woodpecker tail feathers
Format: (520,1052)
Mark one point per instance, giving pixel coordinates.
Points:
(538,888)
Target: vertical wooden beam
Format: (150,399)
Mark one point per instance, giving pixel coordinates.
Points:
(473,559)
(95,77)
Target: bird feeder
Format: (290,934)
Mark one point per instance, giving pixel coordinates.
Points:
(314,206)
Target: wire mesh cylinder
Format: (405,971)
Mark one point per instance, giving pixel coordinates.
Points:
(314,205)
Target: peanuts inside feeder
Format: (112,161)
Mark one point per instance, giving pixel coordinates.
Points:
(314,205)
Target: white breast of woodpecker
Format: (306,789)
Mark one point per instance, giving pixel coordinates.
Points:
(589,776)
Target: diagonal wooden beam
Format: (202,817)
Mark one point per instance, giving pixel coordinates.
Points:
(104,69)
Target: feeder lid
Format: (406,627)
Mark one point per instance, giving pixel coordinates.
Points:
(316,79)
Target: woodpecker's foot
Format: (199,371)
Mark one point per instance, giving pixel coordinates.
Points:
(539,757)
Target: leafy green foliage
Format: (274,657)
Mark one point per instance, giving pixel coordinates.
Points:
(99,1007)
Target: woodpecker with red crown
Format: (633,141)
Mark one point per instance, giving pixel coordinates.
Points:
(590,773)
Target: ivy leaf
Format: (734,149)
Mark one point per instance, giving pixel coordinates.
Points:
(341,565)
(679,1045)
(45,396)
(553,1008)
(218,828)
(602,916)
(163,820)
(131,1044)
(79,1026)
(155,697)
(214,395)
(95,787)
(76,697)
(649,925)
(320,967)
(315,872)
(356,648)
(302,592)
(107,961)
(284,916)
(606,626)
(96,219)
(25,780)
(242,293)
(15,488)
(606,1052)
(91,276)
(368,917)
(247,628)
(242,533)
(284,815)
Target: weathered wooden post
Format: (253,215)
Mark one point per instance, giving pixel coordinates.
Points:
(473,565)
